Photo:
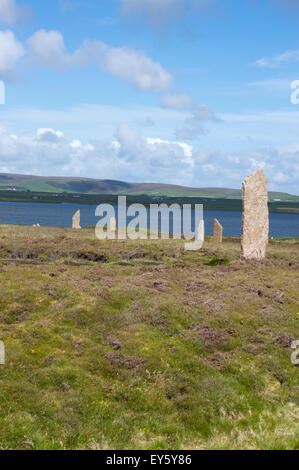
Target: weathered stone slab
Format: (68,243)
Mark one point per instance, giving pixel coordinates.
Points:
(198,243)
(112,226)
(255,223)
(76,220)
(2,353)
(201,231)
(218,231)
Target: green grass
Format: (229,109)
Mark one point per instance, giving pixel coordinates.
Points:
(141,345)
(218,261)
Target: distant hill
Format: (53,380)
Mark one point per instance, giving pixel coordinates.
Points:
(93,186)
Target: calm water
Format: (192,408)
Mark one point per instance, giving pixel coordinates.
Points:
(60,215)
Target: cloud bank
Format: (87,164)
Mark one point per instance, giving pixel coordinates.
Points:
(132,156)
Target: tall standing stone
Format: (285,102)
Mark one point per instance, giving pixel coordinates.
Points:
(76,220)
(255,230)
(218,231)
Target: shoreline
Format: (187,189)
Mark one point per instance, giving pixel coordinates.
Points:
(208,237)
(230,205)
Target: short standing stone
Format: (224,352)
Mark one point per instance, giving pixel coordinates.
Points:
(255,230)
(112,226)
(76,220)
(201,231)
(218,231)
(2,353)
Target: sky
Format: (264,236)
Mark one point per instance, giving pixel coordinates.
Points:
(189,92)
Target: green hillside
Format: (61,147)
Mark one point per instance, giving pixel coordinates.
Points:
(93,186)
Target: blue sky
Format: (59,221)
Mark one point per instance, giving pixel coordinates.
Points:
(192,92)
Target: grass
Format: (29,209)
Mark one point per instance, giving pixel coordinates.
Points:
(217,261)
(141,345)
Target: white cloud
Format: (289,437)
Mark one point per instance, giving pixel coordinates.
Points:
(204,113)
(151,157)
(132,65)
(99,122)
(11,51)
(10,12)
(194,124)
(187,149)
(47,49)
(190,133)
(131,156)
(77,144)
(276,61)
(49,135)
(178,101)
